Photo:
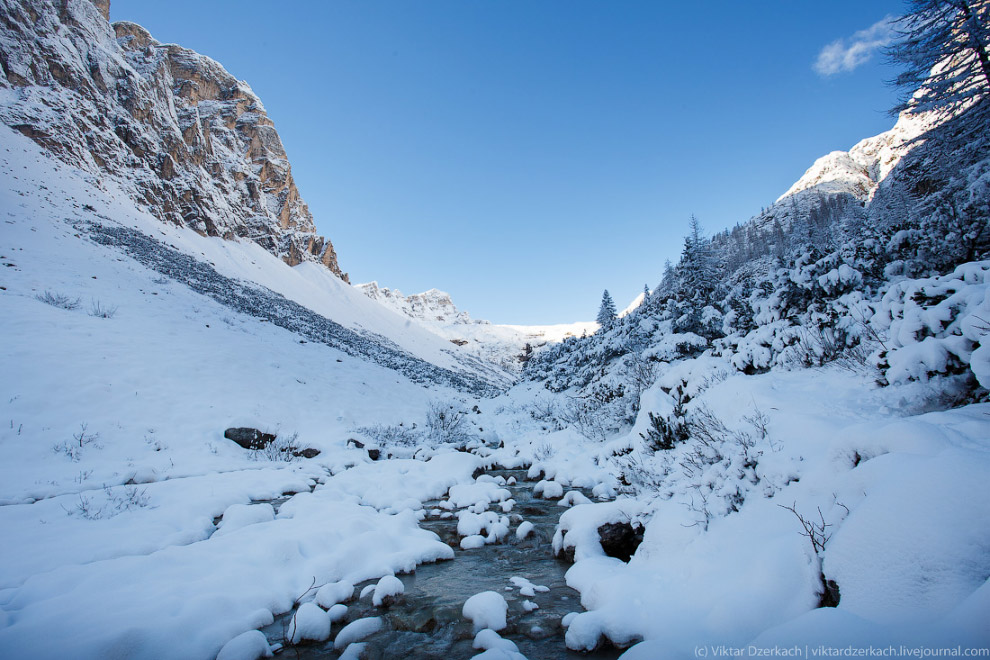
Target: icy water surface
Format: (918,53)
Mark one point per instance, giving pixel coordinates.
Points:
(427,622)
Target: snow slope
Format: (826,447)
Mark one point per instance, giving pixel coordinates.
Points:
(723,563)
(308,284)
(113,464)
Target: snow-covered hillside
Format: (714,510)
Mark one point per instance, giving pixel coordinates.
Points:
(212,446)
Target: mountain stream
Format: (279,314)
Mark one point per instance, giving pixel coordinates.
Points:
(427,622)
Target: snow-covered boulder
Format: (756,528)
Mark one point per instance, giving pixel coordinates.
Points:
(387,590)
(251,645)
(486,610)
(309,622)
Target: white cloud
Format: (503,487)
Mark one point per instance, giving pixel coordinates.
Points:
(843,55)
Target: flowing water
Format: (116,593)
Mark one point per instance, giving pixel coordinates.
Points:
(427,622)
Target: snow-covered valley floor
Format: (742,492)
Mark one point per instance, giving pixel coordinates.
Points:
(134,529)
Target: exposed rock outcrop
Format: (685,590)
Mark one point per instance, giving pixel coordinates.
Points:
(191,143)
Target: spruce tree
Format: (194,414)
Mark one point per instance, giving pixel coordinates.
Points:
(606,313)
(698,268)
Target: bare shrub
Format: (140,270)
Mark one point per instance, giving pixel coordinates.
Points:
(81,439)
(547,411)
(446,422)
(817,533)
(280,450)
(641,373)
(588,417)
(58,300)
(102,311)
(117,502)
(544,452)
(389,435)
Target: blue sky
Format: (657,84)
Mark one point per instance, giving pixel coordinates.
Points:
(524,155)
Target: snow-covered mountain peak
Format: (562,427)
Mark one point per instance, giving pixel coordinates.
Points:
(433,306)
(859,170)
(848,176)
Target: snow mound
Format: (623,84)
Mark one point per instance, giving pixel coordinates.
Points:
(496,647)
(237,516)
(549,490)
(486,610)
(335,592)
(357,630)
(309,623)
(251,645)
(388,587)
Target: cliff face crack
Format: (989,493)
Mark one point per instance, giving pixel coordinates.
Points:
(260,302)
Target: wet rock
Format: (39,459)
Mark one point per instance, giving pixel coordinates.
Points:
(309,452)
(566,553)
(830,594)
(419,620)
(374,454)
(620,539)
(249,438)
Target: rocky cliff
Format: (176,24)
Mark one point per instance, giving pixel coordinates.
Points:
(188,141)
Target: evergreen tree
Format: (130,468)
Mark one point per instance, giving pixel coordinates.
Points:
(943,44)
(667,282)
(698,267)
(606,313)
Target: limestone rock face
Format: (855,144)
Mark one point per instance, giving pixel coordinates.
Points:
(173,128)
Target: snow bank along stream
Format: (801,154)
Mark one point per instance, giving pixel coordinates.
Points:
(502,546)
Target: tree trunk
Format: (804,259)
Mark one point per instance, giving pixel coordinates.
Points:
(973,29)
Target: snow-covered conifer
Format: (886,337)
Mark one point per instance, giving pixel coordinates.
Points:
(606,313)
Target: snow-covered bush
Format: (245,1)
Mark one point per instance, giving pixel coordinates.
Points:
(446,422)
(937,327)
(546,410)
(666,431)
